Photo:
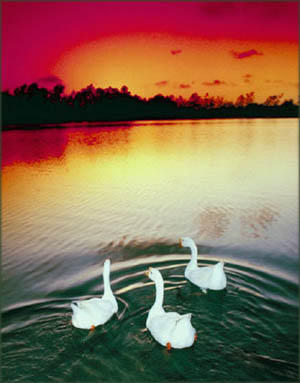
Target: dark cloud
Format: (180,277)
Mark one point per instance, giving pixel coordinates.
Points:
(274,10)
(247,77)
(218,9)
(242,55)
(215,82)
(161,83)
(50,80)
(176,51)
(184,86)
(260,10)
(270,19)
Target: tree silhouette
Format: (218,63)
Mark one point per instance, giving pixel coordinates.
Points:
(29,104)
(273,100)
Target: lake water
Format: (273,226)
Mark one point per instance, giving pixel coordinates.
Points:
(74,195)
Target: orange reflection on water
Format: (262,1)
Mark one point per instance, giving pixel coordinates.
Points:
(153,179)
(152,153)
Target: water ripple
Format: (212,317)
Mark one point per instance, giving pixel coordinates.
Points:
(249,309)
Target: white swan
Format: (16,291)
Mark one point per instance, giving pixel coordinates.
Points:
(89,313)
(208,277)
(170,329)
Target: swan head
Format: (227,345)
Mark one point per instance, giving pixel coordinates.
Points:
(153,274)
(186,242)
(106,266)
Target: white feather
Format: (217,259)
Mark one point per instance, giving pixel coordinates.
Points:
(95,311)
(208,277)
(168,327)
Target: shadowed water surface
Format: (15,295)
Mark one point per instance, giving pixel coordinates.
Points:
(74,195)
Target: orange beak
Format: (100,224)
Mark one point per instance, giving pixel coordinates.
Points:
(147,272)
(180,243)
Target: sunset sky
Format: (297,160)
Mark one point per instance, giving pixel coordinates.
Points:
(221,48)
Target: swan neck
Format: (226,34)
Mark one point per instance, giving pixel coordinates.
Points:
(106,279)
(194,251)
(159,286)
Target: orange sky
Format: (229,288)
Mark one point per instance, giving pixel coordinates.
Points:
(220,48)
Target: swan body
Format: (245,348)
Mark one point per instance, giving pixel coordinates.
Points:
(208,277)
(170,329)
(89,313)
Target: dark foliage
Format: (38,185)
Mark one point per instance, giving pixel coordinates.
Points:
(30,104)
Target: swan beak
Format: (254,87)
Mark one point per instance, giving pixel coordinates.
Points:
(180,242)
(147,273)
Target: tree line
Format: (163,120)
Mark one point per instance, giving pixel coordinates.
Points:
(31,104)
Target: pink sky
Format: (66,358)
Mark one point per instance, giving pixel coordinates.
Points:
(144,44)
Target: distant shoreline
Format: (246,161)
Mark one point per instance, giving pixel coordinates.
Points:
(114,123)
(30,105)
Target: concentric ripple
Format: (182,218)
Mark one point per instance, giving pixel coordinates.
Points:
(242,325)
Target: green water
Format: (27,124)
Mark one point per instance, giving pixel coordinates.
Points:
(75,195)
